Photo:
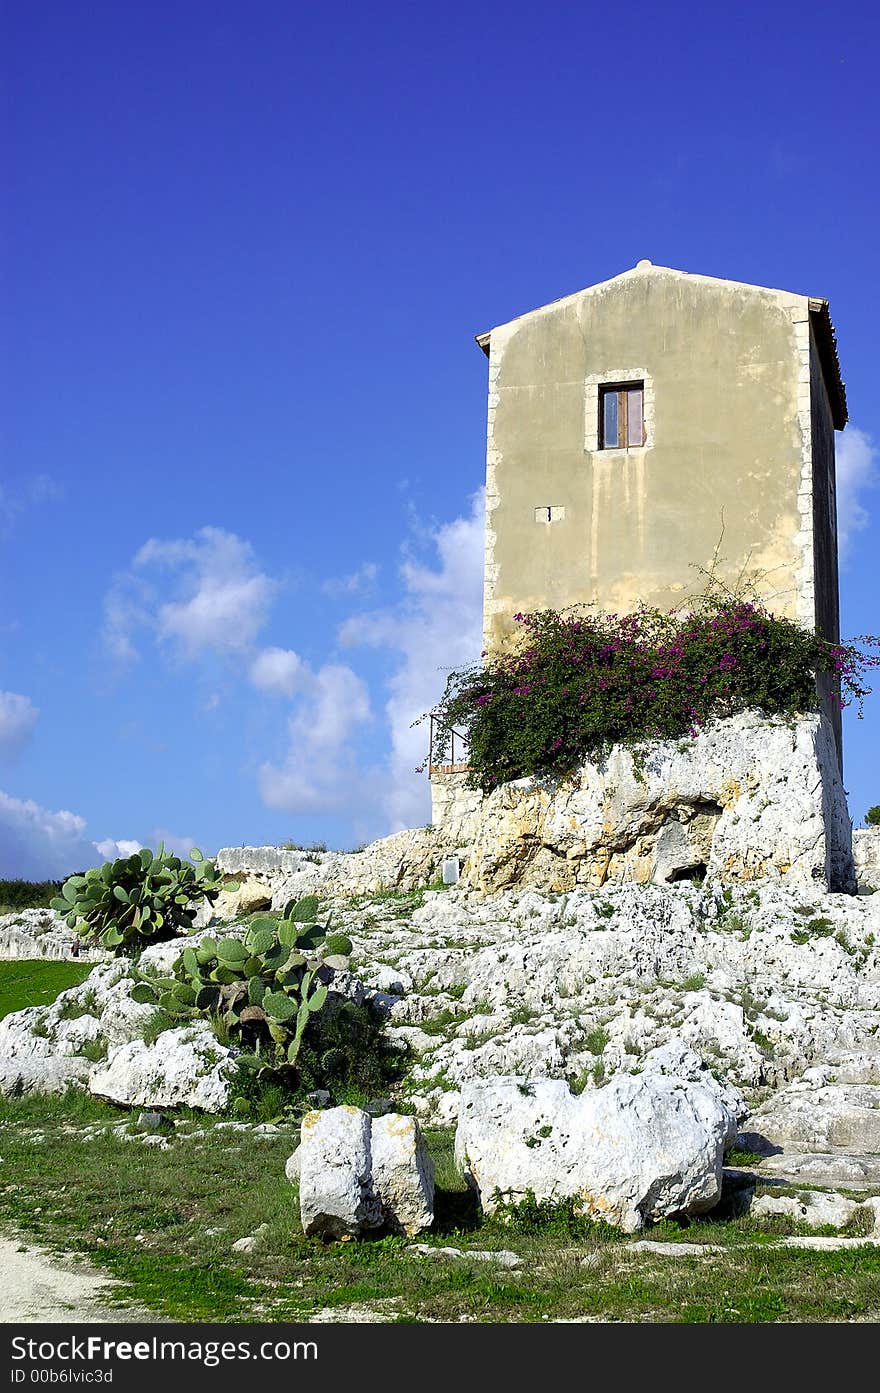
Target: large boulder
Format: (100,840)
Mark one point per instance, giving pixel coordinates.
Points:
(643,1147)
(184,1067)
(357,1174)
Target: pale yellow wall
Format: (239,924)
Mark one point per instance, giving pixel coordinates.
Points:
(728,366)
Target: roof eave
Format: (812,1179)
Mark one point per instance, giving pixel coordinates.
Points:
(826,343)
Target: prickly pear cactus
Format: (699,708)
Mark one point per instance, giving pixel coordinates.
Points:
(262,989)
(144,896)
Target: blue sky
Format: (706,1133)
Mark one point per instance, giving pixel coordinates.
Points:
(245,250)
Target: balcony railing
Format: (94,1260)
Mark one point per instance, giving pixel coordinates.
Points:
(453,766)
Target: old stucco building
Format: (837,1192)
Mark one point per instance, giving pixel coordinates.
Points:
(652,426)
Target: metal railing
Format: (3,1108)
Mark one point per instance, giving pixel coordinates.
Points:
(451,766)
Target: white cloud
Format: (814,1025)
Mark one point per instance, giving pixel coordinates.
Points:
(18,716)
(277,670)
(857,461)
(111,850)
(361,579)
(320,772)
(437,626)
(219,597)
(37,844)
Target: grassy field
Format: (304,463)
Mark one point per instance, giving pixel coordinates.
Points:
(164,1221)
(78,1178)
(37,983)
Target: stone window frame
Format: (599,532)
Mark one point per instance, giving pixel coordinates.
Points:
(619,376)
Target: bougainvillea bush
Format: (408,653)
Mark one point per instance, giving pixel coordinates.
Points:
(577,682)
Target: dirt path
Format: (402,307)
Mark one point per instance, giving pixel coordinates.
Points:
(35,1285)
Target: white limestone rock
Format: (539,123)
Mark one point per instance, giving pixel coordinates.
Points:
(747,797)
(676,1059)
(186,1066)
(47,1074)
(866,855)
(640,1148)
(402,861)
(819,1210)
(403,1174)
(41,933)
(252,894)
(336,1195)
(358,1173)
(804,1118)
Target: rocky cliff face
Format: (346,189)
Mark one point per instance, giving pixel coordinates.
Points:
(746,799)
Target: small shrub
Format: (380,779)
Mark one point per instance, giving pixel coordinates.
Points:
(95,1050)
(136,898)
(736,1157)
(72,1010)
(437,1025)
(821,928)
(872,819)
(159,1022)
(550,1218)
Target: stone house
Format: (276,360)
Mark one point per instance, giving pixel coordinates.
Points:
(655,427)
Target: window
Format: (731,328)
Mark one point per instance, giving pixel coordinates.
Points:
(621,415)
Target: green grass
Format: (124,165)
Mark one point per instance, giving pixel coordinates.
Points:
(163,1223)
(37,982)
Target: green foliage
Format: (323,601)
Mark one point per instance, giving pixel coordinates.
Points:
(262,990)
(139,897)
(872,818)
(596,1039)
(557,1219)
(27,894)
(739,1157)
(580,681)
(694,983)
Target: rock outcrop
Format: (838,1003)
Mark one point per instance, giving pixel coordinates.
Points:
(184,1067)
(41,933)
(747,798)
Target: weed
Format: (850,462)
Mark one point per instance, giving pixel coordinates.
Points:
(694,983)
(72,1010)
(438,1025)
(737,1157)
(158,1023)
(548,1218)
